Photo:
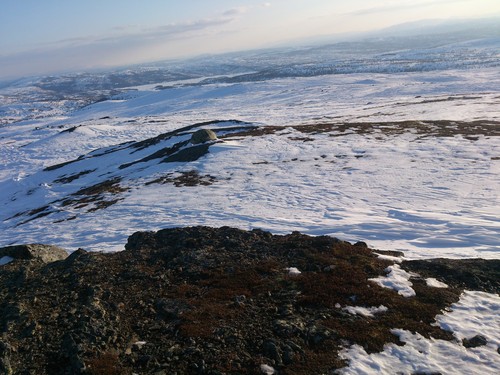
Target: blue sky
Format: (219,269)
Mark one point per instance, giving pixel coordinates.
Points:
(46,36)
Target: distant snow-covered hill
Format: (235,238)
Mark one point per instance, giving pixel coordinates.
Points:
(379,54)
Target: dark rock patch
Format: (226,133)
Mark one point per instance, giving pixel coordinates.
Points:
(43,253)
(162,153)
(70,130)
(475,341)
(471,274)
(188,154)
(442,128)
(108,186)
(67,179)
(152,141)
(95,197)
(189,178)
(33,214)
(99,196)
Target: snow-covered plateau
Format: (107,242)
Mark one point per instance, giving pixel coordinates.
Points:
(403,160)
(425,195)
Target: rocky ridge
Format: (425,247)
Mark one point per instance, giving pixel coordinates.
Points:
(202,300)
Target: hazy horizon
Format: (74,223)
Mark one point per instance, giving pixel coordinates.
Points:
(55,37)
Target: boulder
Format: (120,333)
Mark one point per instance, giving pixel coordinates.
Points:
(44,253)
(475,341)
(202,136)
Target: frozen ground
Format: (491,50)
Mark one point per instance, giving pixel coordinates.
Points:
(475,314)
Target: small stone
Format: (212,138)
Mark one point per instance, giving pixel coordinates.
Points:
(139,344)
(288,355)
(329,268)
(285,310)
(271,351)
(240,300)
(293,271)
(5,367)
(361,244)
(475,341)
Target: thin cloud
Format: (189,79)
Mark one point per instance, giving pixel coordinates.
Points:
(134,33)
(171,31)
(126,45)
(125,28)
(235,11)
(399,7)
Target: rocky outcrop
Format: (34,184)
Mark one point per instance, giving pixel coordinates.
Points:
(202,136)
(43,253)
(471,274)
(203,300)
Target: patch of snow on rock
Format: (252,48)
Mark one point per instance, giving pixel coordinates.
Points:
(435,283)
(293,271)
(5,260)
(266,369)
(368,312)
(390,257)
(475,313)
(397,279)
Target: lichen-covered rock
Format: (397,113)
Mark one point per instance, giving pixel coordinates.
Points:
(202,136)
(44,253)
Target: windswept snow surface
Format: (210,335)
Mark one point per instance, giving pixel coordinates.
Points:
(426,196)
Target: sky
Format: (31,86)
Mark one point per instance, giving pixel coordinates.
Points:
(51,36)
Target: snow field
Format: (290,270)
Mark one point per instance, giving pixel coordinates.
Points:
(426,196)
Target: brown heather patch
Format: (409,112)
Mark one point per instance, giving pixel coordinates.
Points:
(106,364)
(189,178)
(111,186)
(220,299)
(470,130)
(96,194)
(67,179)
(317,360)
